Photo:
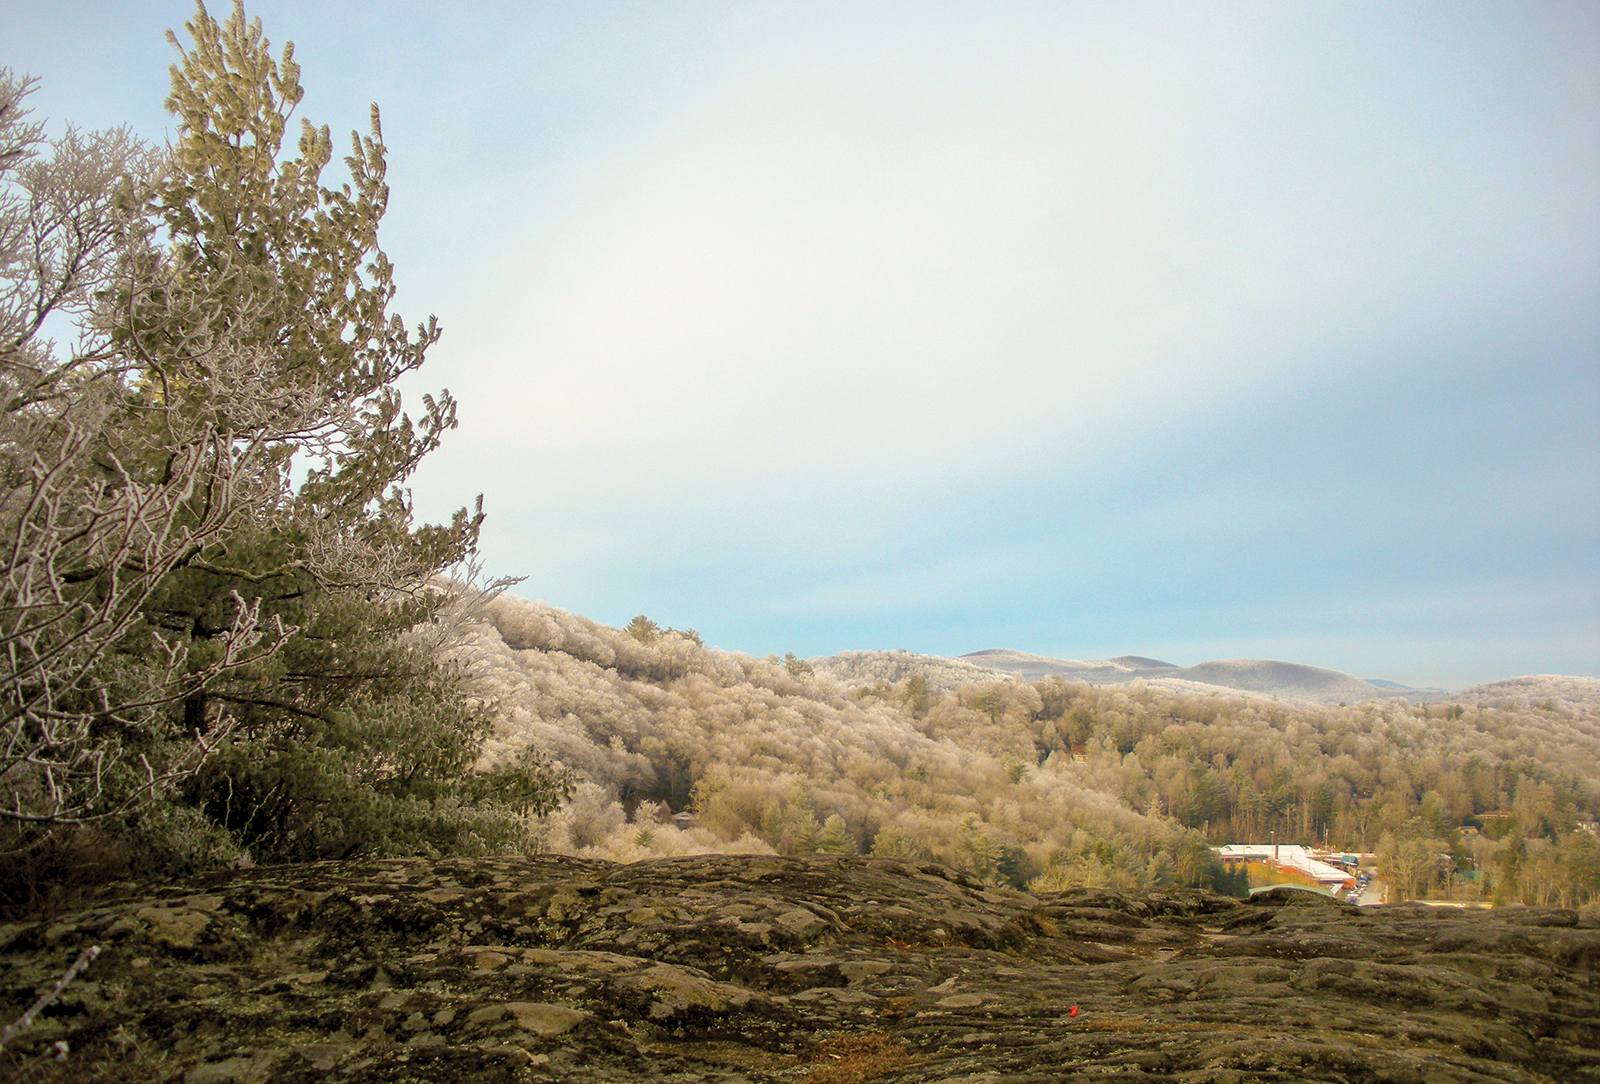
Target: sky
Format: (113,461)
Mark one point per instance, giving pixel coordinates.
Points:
(1193,331)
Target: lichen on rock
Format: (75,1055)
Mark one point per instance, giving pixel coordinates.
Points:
(761,968)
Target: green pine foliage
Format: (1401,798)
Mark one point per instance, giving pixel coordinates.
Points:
(227,634)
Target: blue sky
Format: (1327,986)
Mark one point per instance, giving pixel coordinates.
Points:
(1188,330)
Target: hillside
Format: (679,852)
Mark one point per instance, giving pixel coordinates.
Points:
(760,970)
(680,749)
(1579,693)
(1289,681)
(1094,671)
(865,667)
(769,756)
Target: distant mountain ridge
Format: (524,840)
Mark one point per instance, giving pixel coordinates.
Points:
(1251,677)
(1266,677)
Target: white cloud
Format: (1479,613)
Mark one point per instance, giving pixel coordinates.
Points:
(911,263)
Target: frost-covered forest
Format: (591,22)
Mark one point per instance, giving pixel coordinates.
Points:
(681,748)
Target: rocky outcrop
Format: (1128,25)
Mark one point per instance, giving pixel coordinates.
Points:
(724,968)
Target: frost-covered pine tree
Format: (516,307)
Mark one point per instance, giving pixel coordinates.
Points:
(216,600)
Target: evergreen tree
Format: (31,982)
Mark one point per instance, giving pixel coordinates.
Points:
(239,371)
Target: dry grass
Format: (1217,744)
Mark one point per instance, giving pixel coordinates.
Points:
(933,945)
(1045,925)
(59,873)
(851,1059)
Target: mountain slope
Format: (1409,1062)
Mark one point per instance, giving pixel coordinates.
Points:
(1284,679)
(766,756)
(1094,671)
(1290,681)
(680,749)
(1579,692)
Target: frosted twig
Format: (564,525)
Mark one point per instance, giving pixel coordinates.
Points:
(11,1031)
